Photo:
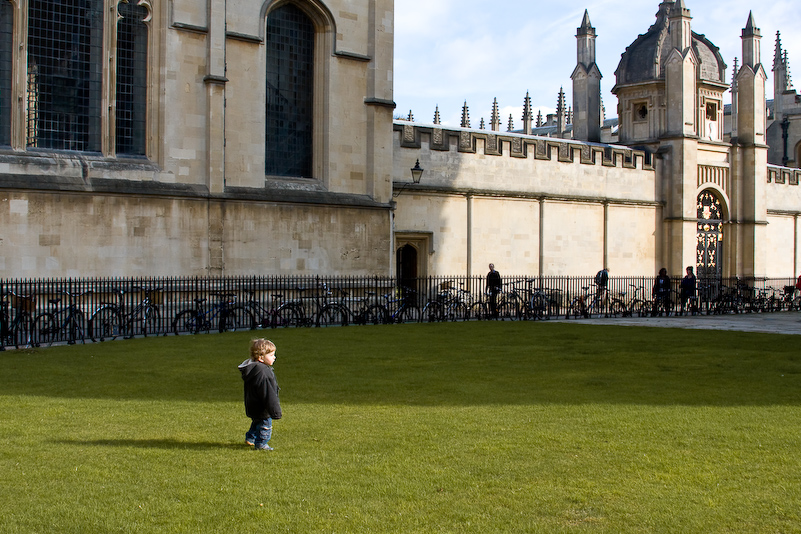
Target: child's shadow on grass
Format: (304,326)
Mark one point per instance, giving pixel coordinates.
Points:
(155,444)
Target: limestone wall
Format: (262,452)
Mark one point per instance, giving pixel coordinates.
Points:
(200,202)
(783,194)
(75,234)
(530,205)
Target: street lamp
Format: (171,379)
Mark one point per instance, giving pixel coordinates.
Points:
(417,173)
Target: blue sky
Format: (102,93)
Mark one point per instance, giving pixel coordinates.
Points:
(451,51)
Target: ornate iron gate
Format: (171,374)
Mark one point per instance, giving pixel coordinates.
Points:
(710,236)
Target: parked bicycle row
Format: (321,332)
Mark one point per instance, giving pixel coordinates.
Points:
(42,312)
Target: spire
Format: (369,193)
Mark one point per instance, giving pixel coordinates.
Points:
(586,26)
(527,115)
(777,54)
(410,118)
(511,124)
(495,117)
(481,125)
(788,79)
(751,43)
(436,115)
(561,113)
(539,118)
(679,25)
(750,26)
(465,116)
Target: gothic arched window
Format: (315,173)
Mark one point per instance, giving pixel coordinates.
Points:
(65,74)
(131,79)
(290,85)
(6,37)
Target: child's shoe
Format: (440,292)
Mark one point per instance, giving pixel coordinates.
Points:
(264,448)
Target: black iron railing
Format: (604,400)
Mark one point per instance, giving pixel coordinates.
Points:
(43,311)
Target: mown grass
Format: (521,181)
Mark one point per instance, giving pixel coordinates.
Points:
(480,427)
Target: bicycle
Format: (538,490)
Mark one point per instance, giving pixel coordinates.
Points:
(358,310)
(49,326)
(594,303)
(111,320)
(225,314)
(449,304)
(402,309)
(17,330)
(284,315)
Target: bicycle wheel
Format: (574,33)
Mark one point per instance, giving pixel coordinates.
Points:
(186,322)
(477,311)
(617,309)
(76,328)
(286,315)
(409,314)
(44,330)
(21,336)
(237,318)
(376,314)
(458,312)
(508,309)
(576,309)
(152,322)
(332,315)
(538,307)
(104,324)
(432,312)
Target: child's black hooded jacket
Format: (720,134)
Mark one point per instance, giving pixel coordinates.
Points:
(261,390)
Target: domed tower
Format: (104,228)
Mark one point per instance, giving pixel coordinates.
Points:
(670,82)
(670,85)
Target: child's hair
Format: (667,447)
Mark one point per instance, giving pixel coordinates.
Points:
(259,348)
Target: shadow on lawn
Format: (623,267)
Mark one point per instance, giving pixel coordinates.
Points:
(166,444)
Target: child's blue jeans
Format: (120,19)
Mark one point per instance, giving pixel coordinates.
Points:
(261,430)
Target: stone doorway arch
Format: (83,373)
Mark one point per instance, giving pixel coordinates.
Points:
(709,263)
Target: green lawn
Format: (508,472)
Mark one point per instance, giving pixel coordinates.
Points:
(466,427)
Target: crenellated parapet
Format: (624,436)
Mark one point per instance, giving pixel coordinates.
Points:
(783,175)
(489,143)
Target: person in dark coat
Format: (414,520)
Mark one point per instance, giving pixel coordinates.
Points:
(661,293)
(688,288)
(261,393)
(494,286)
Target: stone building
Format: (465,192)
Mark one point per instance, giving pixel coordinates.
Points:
(185,137)
(152,137)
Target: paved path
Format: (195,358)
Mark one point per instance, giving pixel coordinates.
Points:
(772,323)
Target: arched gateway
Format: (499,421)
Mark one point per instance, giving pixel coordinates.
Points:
(710,236)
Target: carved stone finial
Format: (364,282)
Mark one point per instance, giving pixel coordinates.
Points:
(465,116)
(527,115)
(436,115)
(410,118)
(777,54)
(511,123)
(495,118)
(481,125)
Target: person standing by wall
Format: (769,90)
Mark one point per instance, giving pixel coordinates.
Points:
(661,293)
(494,286)
(688,287)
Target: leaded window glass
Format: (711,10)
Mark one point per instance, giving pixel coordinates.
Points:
(6,36)
(65,74)
(290,65)
(131,79)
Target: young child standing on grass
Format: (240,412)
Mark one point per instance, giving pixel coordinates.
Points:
(261,393)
